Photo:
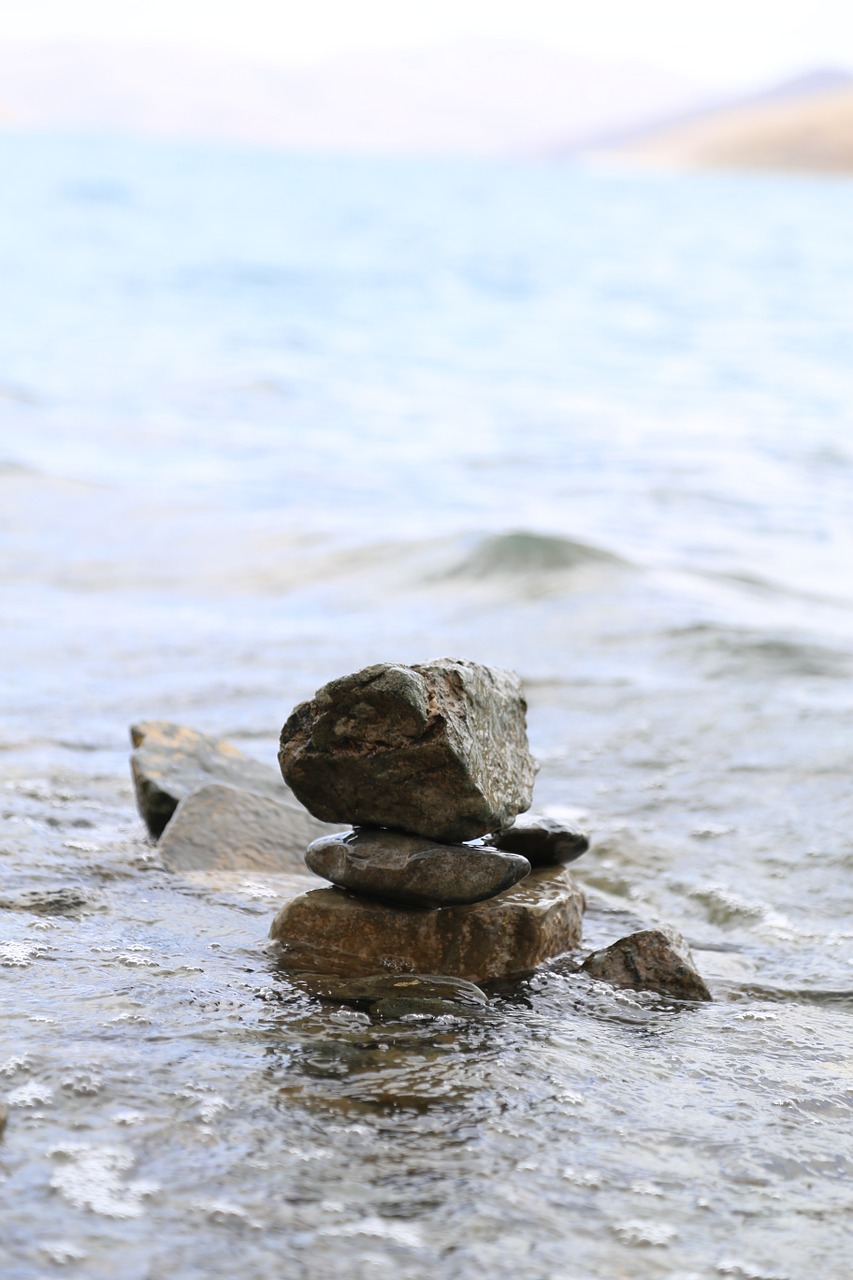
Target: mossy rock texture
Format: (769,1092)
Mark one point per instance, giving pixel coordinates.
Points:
(438,749)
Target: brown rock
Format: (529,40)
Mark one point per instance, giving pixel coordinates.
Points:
(439,750)
(651,960)
(170,761)
(221,828)
(412,870)
(503,937)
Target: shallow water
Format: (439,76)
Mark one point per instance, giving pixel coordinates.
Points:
(265,420)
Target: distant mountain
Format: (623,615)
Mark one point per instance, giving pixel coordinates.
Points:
(477,97)
(801,124)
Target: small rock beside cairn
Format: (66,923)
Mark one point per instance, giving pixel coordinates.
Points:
(420,759)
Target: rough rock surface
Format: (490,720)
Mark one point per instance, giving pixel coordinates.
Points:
(170,761)
(439,749)
(542,841)
(413,870)
(506,936)
(221,828)
(651,960)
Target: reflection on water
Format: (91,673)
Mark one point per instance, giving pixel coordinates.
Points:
(266,420)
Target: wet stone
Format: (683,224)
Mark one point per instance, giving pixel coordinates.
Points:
(170,761)
(377,987)
(438,750)
(652,960)
(393,1010)
(506,936)
(542,841)
(220,828)
(48,902)
(413,870)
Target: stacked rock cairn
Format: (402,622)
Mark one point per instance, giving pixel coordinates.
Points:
(430,767)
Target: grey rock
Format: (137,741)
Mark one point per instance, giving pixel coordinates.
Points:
(413,870)
(651,960)
(221,828)
(48,902)
(542,841)
(438,749)
(328,930)
(391,987)
(4,1116)
(170,761)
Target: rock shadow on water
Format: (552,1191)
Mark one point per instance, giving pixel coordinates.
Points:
(363,1059)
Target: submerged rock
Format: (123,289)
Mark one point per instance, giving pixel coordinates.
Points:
(438,749)
(543,842)
(48,902)
(170,761)
(391,987)
(413,870)
(651,960)
(221,828)
(503,937)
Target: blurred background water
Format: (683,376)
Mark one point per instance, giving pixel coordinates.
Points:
(266,419)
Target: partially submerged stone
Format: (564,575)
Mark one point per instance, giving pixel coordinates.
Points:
(391,987)
(503,937)
(413,870)
(438,749)
(652,960)
(542,841)
(221,828)
(170,761)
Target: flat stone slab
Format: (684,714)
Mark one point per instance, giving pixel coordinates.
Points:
(170,761)
(542,841)
(331,931)
(412,870)
(438,750)
(651,960)
(221,828)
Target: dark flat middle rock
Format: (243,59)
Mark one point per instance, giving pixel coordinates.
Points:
(542,841)
(414,871)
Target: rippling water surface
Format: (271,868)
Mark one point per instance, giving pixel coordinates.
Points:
(265,420)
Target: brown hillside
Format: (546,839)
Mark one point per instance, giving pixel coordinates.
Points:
(812,133)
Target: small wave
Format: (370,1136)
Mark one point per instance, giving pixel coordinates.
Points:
(522,553)
(729,652)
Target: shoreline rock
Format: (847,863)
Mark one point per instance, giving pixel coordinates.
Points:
(222,828)
(656,960)
(169,761)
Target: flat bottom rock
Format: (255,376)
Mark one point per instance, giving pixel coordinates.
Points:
(651,960)
(383,986)
(506,936)
(220,828)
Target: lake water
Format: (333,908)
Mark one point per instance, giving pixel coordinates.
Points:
(268,419)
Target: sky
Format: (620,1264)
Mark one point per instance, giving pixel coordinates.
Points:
(716,41)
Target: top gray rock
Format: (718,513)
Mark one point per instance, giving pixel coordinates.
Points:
(438,749)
